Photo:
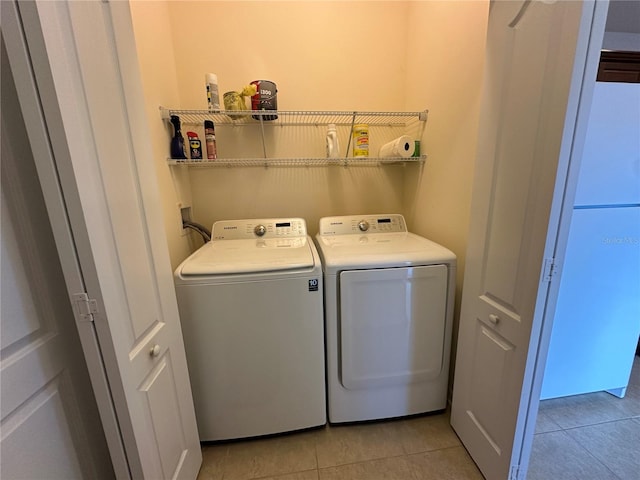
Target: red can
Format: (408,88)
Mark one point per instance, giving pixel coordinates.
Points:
(266,98)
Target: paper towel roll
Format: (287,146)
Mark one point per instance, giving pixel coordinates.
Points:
(400,147)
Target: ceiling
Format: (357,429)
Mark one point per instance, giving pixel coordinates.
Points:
(624,16)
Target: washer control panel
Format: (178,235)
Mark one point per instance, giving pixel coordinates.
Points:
(350,224)
(259,228)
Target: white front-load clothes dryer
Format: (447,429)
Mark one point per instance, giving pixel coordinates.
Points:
(389,297)
(251,308)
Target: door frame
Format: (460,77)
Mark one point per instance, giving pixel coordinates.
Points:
(584,74)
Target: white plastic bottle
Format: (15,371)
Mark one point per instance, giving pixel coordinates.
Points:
(213,97)
(333,149)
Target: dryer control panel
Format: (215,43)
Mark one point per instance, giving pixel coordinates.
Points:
(259,228)
(361,224)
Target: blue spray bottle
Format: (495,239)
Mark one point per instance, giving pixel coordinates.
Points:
(177,142)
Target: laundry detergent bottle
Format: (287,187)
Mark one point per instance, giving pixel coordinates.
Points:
(333,149)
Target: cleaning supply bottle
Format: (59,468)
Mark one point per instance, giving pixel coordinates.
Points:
(195,146)
(361,140)
(177,142)
(333,149)
(213,96)
(210,140)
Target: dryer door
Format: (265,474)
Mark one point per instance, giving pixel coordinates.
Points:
(392,324)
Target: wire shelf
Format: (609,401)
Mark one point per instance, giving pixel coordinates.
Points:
(296,118)
(278,146)
(299,162)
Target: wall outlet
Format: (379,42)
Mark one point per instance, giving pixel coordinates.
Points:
(185,214)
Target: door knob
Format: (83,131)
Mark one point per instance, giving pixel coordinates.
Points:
(494,318)
(155,351)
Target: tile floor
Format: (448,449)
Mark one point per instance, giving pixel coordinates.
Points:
(417,448)
(593,436)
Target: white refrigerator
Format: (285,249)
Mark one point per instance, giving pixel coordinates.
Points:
(597,322)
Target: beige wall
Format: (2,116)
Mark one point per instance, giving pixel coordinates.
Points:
(445,63)
(322,55)
(326,56)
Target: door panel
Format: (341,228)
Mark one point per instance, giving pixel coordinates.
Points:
(37,441)
(43,429)
(115,233)
(164,401)
(119,174)
(528,72)
(49,421)
(494,355)
(392,325)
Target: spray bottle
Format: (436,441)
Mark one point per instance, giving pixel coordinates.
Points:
(210,140)
(195,146)
(177,142)
(213,97)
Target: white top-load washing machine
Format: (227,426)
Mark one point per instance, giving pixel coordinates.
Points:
(389,297)
(251,308)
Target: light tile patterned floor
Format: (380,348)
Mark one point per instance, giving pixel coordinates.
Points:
(592,436)
(418,448)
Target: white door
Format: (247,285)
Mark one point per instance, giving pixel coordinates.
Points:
(527,126)
(98,180)
(50,423)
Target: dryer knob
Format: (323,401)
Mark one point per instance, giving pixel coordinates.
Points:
(363,225)
(260,230)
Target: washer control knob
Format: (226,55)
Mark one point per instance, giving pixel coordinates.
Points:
(260,230)
(363,225)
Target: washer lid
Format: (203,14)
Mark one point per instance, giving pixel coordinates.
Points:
(249,256)
(342,252)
